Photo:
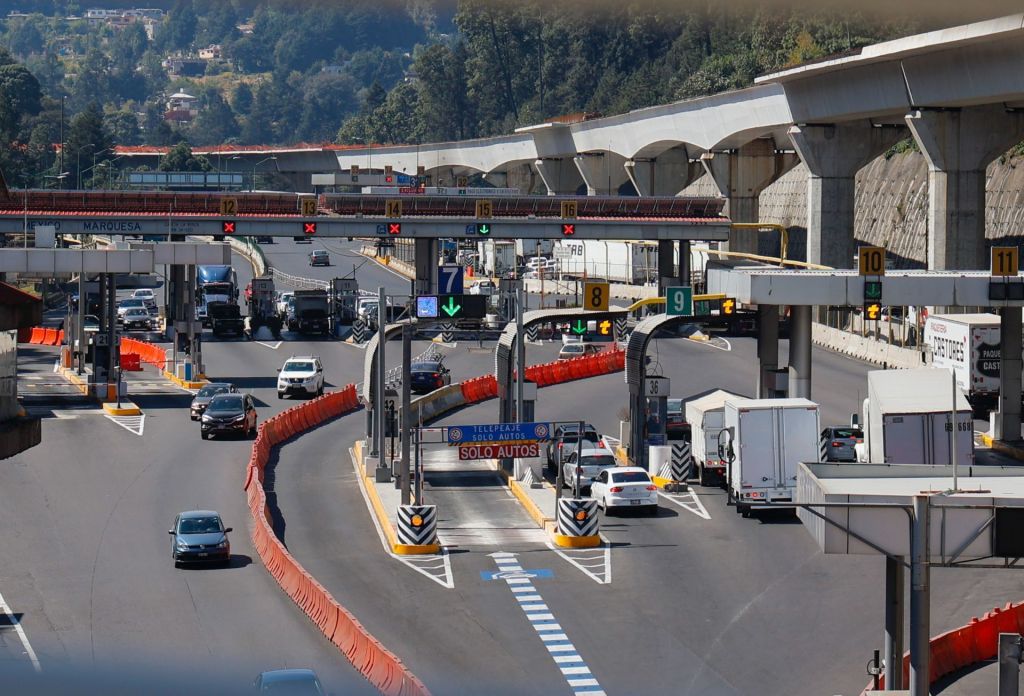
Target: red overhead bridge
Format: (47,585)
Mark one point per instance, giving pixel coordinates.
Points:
(256,204)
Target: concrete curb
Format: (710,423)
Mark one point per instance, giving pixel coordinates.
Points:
(535,513)
(127,409)
(382,515)
(1003,447)
(400,267)
(866,349)
(187,384)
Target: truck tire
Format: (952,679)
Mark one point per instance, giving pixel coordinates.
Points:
(702,476)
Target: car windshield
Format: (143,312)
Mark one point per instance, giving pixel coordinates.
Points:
(298,367)
(292,686)
(573,348)
(631,477)
(226,402)
(199,525)
(131,303)
(847,432)
(212,390)
(319,253)
(137,312)
(675,405)
(599,460)
(425,367)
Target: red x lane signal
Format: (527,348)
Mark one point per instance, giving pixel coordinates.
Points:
(394,228)
(227,226)
(309,228)
(568,229)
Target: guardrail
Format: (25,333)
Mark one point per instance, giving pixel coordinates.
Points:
(298,282)
(251,251)
(375,662)
(147,352)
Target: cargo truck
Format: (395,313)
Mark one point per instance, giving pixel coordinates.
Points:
(310,313)
(969,345)
(226,318)
(706,417)
(617,262)
(770,438)
(907,418)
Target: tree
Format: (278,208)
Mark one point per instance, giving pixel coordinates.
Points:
(328,100)
(242,99)
(87,137)
(19,96)
(216,121)
(442,101)
(123,127)
(180,159)
(26,37)
(178,30)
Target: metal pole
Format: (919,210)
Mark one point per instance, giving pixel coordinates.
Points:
(190,313)
(406,411)
(577,492)
(378,405)
(418,466)
(893,623)
(952,431)
(919,599)
(111,300)
(559,474)
(1009,664)
(520,353)
(82,302)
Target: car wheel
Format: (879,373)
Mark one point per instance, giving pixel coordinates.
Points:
(204,435)
(745,511)
(280,395)
(320,391)
(653,511)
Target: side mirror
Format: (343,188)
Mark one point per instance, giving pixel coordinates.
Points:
(170,531)
(278,369)
(229,529)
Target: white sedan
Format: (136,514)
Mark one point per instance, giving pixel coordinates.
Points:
(625,487)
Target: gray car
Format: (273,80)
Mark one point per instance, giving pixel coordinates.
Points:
(565,439)
(838,442)
(296,682)
(202,399)
(590,461)
(199,536)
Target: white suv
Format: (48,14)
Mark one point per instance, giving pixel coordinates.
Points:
(301,375)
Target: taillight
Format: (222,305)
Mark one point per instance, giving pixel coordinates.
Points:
(560,445)
(600,444)
(437,374)
(579,470)
(652,487)
(615,489)
(837,443)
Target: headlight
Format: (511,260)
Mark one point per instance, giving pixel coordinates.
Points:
(223,544)
(207,418)
(182,546)
(238,419)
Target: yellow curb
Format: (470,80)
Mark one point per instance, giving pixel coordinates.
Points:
(576,542)
(387,264)
(620,454)
(547,523)
(415,549)
(661,482)
(186,384)
(127,409)
(702,337)
(69,374)
(1002,447)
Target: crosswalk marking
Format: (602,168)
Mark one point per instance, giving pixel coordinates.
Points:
(133,424)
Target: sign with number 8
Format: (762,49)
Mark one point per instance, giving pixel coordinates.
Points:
(595,296)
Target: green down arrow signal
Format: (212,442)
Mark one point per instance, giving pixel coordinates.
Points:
(451,309)
(580,327)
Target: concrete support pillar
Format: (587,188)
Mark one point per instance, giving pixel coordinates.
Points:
(602,172)
(958,145)
(920,598)
(1007,425)
(767,347)
(800,351)
(426,266)
(665,175)
(560,176)
(684,273)
(666,265)
(740,176)
(833,155)
(518,176)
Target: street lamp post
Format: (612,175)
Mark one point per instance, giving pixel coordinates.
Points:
(265,159)
(78,163)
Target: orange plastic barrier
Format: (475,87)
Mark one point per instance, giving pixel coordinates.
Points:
(25,335)
(380,666)
(962,647)
(130,362)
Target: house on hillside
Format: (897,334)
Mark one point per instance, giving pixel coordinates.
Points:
(182,66)
(211,52)
(181,108)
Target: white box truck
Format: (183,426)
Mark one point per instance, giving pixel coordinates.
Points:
(969,345)
(907,418)
(616,262)
(706,417)
(770,439)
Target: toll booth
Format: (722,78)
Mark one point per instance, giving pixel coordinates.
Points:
(344,298)
(655,429)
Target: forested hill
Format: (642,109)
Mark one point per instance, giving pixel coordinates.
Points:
(380,71)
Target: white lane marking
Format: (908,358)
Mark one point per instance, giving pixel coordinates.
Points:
(267,345)
(6,609)
(133,424)
(437,568)
(693,505)
(568,660)
(711,343)
(595,563)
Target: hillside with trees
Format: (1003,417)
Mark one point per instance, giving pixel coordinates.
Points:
(263,72)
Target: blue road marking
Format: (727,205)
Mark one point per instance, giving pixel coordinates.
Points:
(506,574)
